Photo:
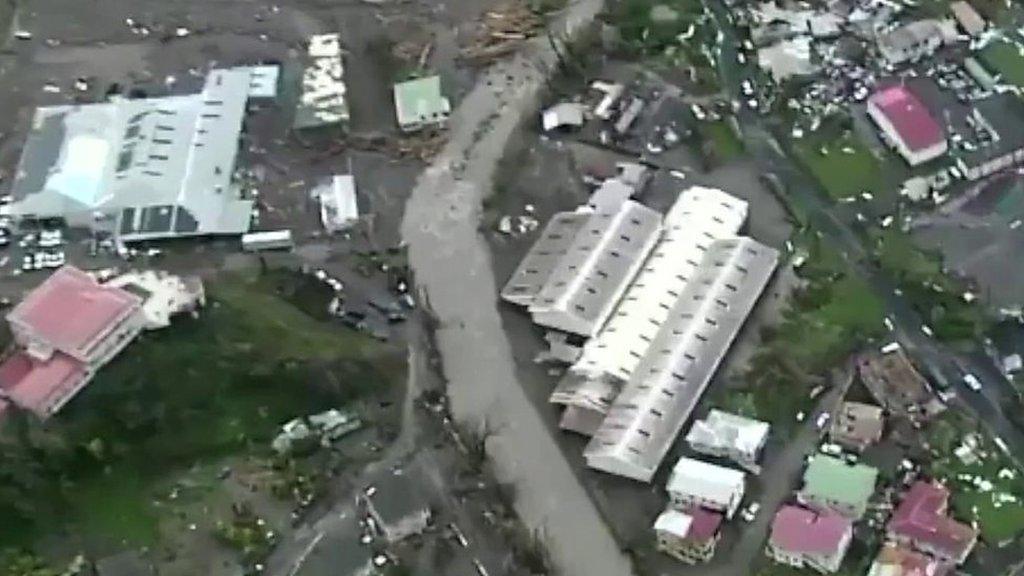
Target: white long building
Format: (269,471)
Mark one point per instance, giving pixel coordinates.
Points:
(572,284)
(699,217)
(669,379)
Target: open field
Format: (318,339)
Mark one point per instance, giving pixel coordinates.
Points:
(842,164)
(1001,57)
(201,390)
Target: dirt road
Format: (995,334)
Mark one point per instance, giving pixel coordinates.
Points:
(453,272)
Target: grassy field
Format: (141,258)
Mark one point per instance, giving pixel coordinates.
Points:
(841,163)
(725,144)
(203,389)
(999,519)
(826,320)
(1001,57)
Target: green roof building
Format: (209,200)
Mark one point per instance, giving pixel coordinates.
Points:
(832,483)
(419,103)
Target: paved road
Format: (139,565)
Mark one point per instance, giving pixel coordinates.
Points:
(834,223)
(453,273)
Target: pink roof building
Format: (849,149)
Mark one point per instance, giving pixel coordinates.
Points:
(65,329)
(689,535)
(72,313)
(806,538)
(907,124)
(921,521)
(895,560)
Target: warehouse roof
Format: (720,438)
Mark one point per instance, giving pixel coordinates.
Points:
(671,377)
(596,269)
(913,123)
(158,167)
(538,264)
(699,217)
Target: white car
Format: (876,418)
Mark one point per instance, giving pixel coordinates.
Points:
(822,420)
(750,512)
(927,330)
(972,382)
(747,87)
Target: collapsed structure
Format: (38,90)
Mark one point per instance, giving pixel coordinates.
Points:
(324,99)
(141,169)
(660,300)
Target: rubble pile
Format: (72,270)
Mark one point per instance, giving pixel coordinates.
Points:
(502,32)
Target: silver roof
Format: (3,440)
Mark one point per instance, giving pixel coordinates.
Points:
(538,264)
(596,269)
(671,377)
(698,218)
(907,37)
(156,167)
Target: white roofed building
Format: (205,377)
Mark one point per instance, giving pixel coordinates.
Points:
(726,435)
(339,205)
(536,267)
(669,378)
(694,483)
(699,217)
(598,265)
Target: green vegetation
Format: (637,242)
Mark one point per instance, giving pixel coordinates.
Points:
(935,295)
(999,518)
(191,394)
(840,162)
(827,319)
(722,141)
(1002,57)
(673,33)
(20,563)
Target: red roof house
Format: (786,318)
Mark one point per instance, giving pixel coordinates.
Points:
(895,560)
(921,521)
(41,386)
(801,537)
(65,330)
(690,535)
(70,312)
(907,124)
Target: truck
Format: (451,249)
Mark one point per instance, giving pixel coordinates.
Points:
(273,240)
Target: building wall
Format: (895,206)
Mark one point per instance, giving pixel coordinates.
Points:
(991,166)
(683,501)
(917,50)
(114,340)
(685,550)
